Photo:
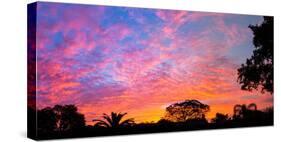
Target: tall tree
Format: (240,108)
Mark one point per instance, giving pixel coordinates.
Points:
(114,120)
(186,110)
(258,70)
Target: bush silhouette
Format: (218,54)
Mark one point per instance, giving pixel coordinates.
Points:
(220,119)
(245,112)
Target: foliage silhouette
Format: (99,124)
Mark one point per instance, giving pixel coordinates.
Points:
(220,118)
(62,119)
(46,120)
(53,122)
(114,120)
(250,115)
(258,70)
(244,111)
(68,118)
(187,110)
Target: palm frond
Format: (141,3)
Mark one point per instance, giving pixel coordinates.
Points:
(127,122)
(101,123)
(108,118)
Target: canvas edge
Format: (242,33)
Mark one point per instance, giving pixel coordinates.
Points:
(31,71)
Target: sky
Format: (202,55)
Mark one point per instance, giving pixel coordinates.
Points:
(135,60)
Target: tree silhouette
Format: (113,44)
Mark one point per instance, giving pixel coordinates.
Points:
(114,120)
(60,118)
(220,118)
(258,70)
(65,122)
(245,112)
(186,111)
(68,118)
(46,120)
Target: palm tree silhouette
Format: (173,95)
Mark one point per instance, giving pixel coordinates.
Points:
(114,120)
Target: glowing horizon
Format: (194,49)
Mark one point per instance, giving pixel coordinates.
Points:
(117,59)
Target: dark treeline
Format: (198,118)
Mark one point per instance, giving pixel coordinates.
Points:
(66,122)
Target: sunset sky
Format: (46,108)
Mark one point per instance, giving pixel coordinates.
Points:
(139,61)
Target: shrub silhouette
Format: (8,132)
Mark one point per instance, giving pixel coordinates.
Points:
(220,119)
(114,120)
(245,112)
